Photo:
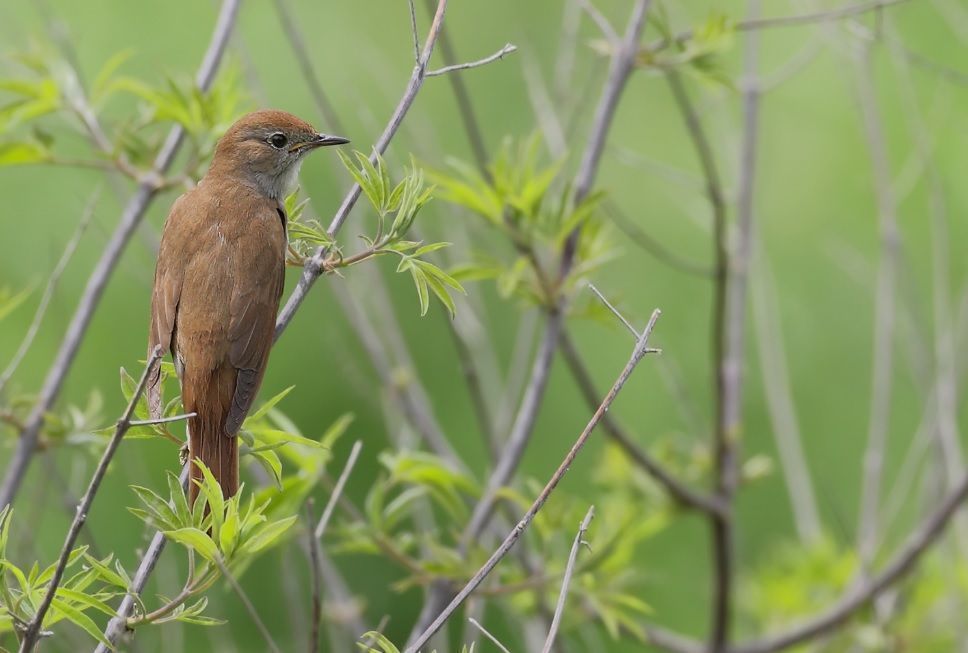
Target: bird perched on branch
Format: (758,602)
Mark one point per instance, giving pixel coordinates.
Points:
(219,279)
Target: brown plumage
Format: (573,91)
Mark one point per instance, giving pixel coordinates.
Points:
(219,279)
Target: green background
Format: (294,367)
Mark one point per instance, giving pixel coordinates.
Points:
(816,223)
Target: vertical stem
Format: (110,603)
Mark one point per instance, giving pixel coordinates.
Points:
(729,328)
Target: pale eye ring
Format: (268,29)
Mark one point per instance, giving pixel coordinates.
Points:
(277,140)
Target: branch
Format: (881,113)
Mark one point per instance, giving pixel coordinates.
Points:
(314,265)
(247,604)
(566,581)
(640,350)
(55,276)
(487,634)
(32,631)
(162,420)
(298,44)
(507,49)
(622,65)
(118,624)
(682,494)
(338,490)
(131,217)
(755,24)
(885,300)
(858,596)
(729,329)
(315,570)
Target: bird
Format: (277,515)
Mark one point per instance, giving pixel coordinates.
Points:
(218,281)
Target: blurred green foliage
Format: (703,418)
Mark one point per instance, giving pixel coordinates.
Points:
(817,241)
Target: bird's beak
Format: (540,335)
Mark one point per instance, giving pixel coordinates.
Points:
(321,140)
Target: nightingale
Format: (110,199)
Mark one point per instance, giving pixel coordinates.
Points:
(218,281)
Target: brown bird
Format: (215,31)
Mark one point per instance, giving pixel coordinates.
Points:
(219,278)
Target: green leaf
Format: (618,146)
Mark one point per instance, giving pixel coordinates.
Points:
(229,534)
(420,281)
(268,405)
(195,539)
(78,618)
(270,461)
(24,153)
(213,493)
(160,513)
(179,500)
(128,386)
(85,599)
(266,534)
(101,85)
(105,572)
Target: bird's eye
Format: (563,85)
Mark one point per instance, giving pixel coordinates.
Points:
(278,140)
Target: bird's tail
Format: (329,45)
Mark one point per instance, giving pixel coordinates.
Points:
(207,439)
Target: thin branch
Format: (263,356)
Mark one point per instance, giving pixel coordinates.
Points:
(314,265)
(599,19)
(780,402)
(615,311)
(338,490)
(622,64)
(413,32)
(729,329)
(131,217)
(882,369)
(161,420)
(755,24)
(118,624)
(32,633)
(858,596)
(52,282)
(315,571)
(566,581)
(487,634)
(465,107)
(507,49)
(247,603)
(640,350)
(298,44)
(679,492)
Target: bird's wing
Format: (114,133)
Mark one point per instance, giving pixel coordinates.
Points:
(253,307)
(165,295)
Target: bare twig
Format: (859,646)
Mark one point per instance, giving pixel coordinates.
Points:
(512,537)
(161,420)
(338,490)
(779,398)
(487,634)
(857,596)
(131,217)
(314,264)
(755,24)
(55,276)
(315,572)
(32,631)
(679,492)
(465,107)
(507,49)
(884,307)
(566,580)
(298,44)
(622,64)
(729,328)
(247,604)
(599,19)
(615,311)
(413,32)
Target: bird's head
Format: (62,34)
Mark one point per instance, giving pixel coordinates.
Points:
(266,148)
